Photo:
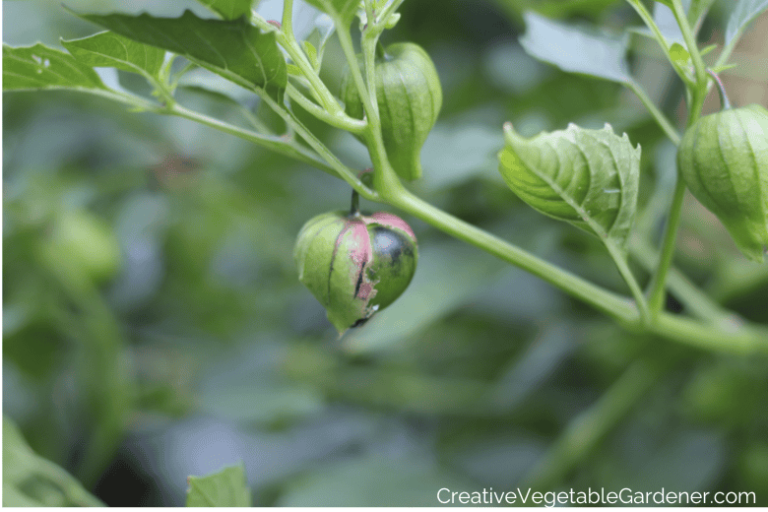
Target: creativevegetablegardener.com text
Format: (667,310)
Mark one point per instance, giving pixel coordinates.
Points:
(625,496)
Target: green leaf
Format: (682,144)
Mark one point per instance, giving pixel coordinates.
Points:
(574,50)
(107,49)
(229,9)
(679,55)
(312,55)
(41,67)
(13,497)
(227,488)
(586,177)
(697,9)
(18,458)
(742,15)
(667,23)
(708,49)
(341,10)
(371,480)
(295,70)
(319,36)
(234,49)
(724,67)
(30,480)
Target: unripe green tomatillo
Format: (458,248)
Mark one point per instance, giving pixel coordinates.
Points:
(723,159)
(86,243)
(355,264)
(409,98)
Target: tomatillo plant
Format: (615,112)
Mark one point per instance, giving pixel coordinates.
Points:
(390,101)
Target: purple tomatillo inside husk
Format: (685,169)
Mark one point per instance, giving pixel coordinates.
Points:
(355,264)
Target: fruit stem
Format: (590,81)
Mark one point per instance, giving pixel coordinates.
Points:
(725,104)
(354,211)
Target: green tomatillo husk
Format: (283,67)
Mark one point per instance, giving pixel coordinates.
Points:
(723,159)
(355,264)
(409,97)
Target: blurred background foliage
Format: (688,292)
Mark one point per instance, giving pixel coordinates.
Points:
(154,326)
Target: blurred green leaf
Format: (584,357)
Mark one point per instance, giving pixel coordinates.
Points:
(248,386)
(227,488)
(389,482)
(107,49)
(30,480)
(343,10)
(319,37)
(743,14)
(18,457)
(204,81)
(229,9)
(41,67)
(448,275)
(697,9)
(667,23)
(455,153)
(13,497)
(574,50)
(672,459)
(234,49)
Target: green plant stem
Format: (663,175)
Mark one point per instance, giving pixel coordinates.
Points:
(725,103)
(288,42)
(737,339)
(585,431)
(343,122)
(647,18)
(621,263)
(695,300)
(287,24)
(657,286)
(660,118)
(693,47)
(274,143)
(603,300)
(698,91)
(278,144)
(342,170)
(186,69)
(370,41)
(354,68)
(388,11)
(254,121)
